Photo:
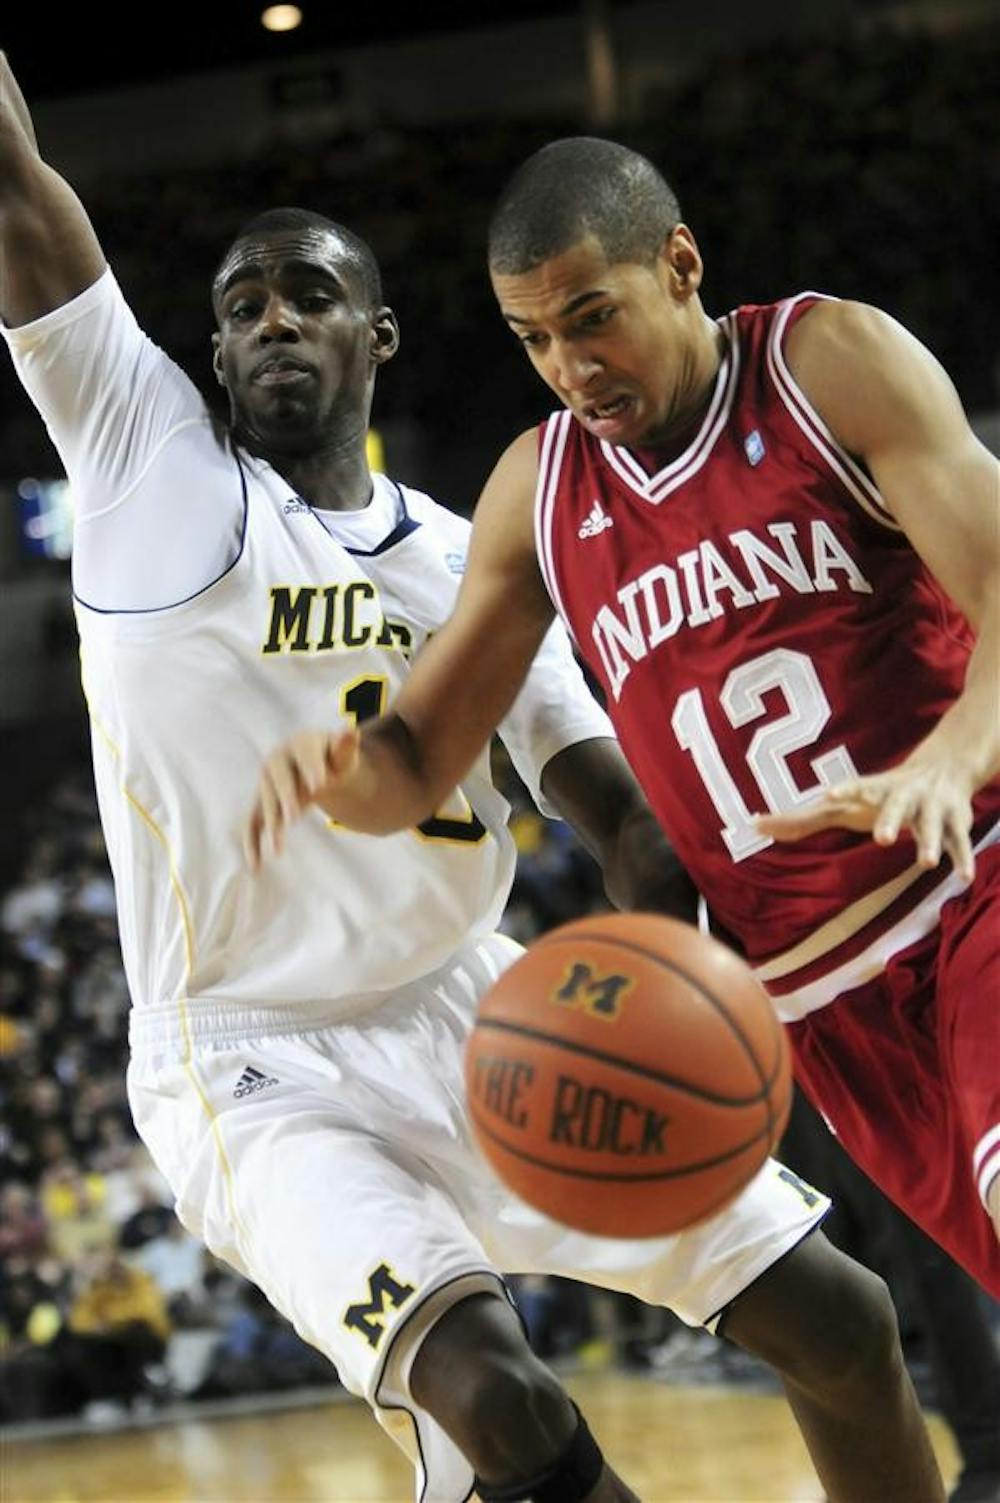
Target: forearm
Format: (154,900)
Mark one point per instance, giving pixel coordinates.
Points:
(389,787)
(642,871)
(15,116)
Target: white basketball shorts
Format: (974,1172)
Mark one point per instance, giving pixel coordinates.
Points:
(335,1168)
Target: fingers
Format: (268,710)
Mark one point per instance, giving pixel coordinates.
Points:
(309,766)
(342,754)
(937,815)
(251,839)
(262,834)
(957,838)
(793,827)
(890,814)
(848,807)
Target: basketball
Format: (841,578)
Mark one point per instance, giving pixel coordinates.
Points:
(628,1075)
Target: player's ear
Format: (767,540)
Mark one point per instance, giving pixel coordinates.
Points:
(384,335)
(681,260)
(217,359)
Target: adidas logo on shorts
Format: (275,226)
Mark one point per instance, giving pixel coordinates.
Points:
(253,1080)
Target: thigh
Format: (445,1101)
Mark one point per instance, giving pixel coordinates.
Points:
(347,1232)
(884,1064)
(697,1273)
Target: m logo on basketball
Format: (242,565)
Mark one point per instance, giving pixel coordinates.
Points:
(599,995)
(384,1291)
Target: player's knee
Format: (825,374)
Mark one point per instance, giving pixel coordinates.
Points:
(822,1320)
(519,1415)
(477,1376)
(855,1339)
(510,1418)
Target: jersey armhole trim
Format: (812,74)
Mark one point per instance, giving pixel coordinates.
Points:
(555,435)
(858,485)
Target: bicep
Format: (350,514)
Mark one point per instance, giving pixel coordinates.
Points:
(889,401)
(946,497)
(466,678)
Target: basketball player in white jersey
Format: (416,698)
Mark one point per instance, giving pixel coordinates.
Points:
(297,1036)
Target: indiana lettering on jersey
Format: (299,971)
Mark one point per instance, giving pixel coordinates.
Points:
(706,582)
(329,618)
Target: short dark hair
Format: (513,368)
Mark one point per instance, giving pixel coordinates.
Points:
(577,187)
(358,252)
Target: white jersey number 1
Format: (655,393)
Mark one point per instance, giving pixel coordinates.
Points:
(363,700)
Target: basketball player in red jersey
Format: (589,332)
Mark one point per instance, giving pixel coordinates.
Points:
(775,540)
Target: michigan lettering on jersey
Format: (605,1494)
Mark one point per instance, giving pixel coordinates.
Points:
(705,583)
(385,1292)
(330,618)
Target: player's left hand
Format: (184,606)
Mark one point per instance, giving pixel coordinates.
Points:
(926,798)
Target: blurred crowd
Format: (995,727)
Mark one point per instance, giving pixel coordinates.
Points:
(106,1304)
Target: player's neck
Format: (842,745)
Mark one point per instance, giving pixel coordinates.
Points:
(691,400)
(343,484)
(332,481)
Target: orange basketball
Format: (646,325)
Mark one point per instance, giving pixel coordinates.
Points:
(628,1075)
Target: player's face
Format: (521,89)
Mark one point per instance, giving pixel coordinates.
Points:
(298,342)
(616,343)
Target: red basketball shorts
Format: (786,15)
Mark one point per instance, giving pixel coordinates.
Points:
(906,1070)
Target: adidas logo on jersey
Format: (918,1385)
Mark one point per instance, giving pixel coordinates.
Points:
(596,522)
(252,1081)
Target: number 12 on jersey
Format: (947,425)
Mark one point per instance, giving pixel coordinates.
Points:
(365,699)
(742,700)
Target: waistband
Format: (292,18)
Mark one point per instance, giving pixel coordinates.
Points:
(186,1023)
(841,956)
(189,1022)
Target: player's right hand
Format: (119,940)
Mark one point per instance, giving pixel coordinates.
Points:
(312,765)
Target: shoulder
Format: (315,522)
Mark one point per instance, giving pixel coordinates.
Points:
(503,530)
(505,511)
(863,371)
(840,329)
(515,473)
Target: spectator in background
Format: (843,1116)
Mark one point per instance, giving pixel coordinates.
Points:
(73,1202)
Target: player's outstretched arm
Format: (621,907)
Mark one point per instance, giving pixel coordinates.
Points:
(888,401)
(404,764)
(48,250)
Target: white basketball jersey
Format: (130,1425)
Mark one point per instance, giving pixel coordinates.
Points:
(187,699)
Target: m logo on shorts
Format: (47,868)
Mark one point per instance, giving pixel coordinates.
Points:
(384,1292)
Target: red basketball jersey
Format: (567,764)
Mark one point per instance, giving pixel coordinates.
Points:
(761,627)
